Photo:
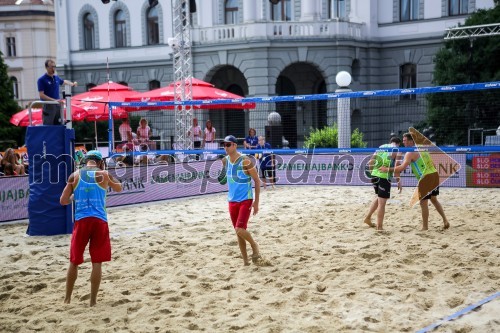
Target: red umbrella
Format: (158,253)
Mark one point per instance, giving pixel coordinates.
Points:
(96,101)
(201,91)
(22,117)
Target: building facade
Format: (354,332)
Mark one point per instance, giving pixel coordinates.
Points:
(257,48)
(27,39)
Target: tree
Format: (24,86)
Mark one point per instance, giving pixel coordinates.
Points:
(327,137)
(8,106)
(466,61)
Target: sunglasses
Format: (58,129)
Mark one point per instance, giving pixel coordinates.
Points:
(228,144)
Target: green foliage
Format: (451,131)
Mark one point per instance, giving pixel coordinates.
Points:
(452,114)
(327,137)
(8,106)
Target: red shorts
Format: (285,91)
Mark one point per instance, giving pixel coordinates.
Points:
(240,213)
(95,231)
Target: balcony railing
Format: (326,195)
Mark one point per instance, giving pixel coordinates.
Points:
(278,30)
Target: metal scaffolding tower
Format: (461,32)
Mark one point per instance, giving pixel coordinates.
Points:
(473,31)
(183,72)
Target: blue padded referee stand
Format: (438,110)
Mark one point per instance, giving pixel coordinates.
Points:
(50,151)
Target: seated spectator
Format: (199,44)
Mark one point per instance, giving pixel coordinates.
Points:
(266,163)
(9,157)
(251,141)
(125,133)
(8,170)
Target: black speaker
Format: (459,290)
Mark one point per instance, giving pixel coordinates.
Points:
(192,6)
(274,136)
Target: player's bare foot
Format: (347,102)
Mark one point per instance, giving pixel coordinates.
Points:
(368,221)
(67,301)
(446,225)
(246,263)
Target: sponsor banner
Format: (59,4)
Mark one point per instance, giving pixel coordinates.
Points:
(347,169)
(161,182)
(14,192)
(483,170)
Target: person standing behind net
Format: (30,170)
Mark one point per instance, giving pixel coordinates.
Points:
(209,133)
(266,163)
(428,180)
(48,89)
(88,187)
(238,172)
(382,182)
(195,133)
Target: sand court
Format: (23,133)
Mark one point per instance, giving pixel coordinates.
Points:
(177,268)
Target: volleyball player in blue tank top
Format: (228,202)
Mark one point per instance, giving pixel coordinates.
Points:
(88,188)
(240,172)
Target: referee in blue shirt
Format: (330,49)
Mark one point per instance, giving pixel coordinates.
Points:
(48,88)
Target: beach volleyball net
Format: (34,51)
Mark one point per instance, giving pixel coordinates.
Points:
(305,132)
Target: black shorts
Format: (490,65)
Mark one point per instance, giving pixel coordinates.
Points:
(267,172)
(51,114)
(428,186)
(382,187)
(197,144)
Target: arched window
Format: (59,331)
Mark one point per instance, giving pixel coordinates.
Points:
(89,86)
(408,79)
(282,11)
(154,84)
(120,29)
(336,9)
(231,12)
(152,26)
(15,87)
(88,32)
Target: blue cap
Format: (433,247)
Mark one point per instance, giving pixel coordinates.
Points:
(230,138)
(93,155)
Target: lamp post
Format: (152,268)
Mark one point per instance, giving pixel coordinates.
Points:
(343,80)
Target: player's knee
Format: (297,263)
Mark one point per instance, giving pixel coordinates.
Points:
(239,231)
(424,202)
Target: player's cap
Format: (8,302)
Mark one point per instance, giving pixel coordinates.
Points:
(230,138)
(93,155)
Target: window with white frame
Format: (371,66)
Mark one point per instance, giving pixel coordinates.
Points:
(408,10)
(153,27)
(408,79)
(231,12)
(336,9)
(88,32)
(15,87)
(11,46)
(458,7)
(120,24)
(282,11)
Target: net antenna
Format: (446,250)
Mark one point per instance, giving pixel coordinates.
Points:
(183,70)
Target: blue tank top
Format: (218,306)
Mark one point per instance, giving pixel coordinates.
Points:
(90,197)
(239,183)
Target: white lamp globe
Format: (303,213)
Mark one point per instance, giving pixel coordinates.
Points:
(343,79)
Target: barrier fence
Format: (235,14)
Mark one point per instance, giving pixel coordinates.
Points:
(474,167)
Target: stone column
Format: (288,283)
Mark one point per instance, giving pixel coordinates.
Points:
(249,11)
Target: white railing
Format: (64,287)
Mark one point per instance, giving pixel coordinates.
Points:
(278,30)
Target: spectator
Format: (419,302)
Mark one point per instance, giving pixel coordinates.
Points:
(266,163)
(143,131)
(8,170)
(9,157)
(209,133)
(48,89)
(251,141)
(195,133)
(125,131)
